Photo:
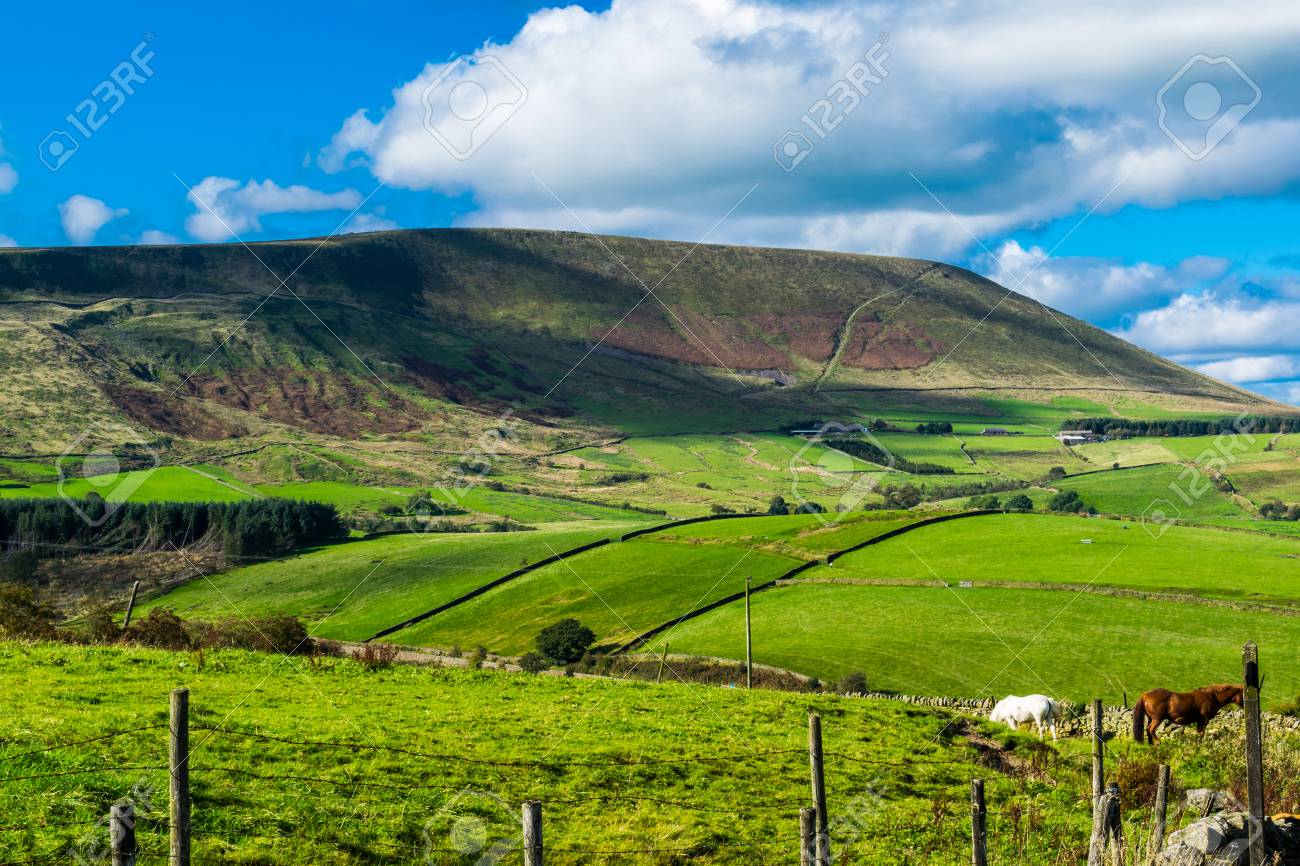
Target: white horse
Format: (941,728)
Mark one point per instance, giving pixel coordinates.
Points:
(1039,709)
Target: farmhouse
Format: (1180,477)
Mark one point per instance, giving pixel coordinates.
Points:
(995,431)
(1078,437)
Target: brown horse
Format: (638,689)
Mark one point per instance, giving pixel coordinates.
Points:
(1181,708)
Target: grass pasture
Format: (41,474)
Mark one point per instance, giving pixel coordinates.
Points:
(174,483)
(624,770)
(949,641)
(1050,549)
(618,591)
(350,591)
(1134,491)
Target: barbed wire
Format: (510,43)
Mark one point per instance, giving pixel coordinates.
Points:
(87,772)
(109,736)
(537,765)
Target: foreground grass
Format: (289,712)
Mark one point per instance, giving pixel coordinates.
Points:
(990,642)
(642,791)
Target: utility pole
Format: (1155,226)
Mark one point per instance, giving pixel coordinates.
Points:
(749,642)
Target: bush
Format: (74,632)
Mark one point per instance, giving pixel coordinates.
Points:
(810,508)
(1020,502)
(23,615)
(480,656)
(1069,502)
(1056,472)
(533,662)
(855,682)
(159,628)
(376,656)
(565,641)
(776,505)
(18,566)
(717,508)
(99,626)
(283,634)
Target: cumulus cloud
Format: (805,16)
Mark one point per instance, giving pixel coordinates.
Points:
(367,222)
(83,217)
(225,208)
(1090,287)
(156,236)
(1011,115)
(1260,368)
(1216,322)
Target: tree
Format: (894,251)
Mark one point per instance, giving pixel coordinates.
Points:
(533,662)
(1020,502)
(719,508)
(1069,502)
(776,505)
(853,683)
(810,508)
(565,641)
(23,615)
(1055,473)
(903,496)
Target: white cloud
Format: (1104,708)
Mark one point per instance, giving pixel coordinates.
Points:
(84,216)
(8,176)
(224,208)
(1216,323)
(367,222)
(6,241)
(1259,368)
(657,115)
(1088,287)
(157,236)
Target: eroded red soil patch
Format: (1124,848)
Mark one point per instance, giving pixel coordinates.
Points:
(809,335)
(693,338)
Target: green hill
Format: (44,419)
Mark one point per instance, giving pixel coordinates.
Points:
(432,334)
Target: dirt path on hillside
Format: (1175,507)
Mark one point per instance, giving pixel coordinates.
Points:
(846,329)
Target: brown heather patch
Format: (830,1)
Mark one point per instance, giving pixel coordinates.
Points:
(174,415)
(809,335)
(715,342)
(333,403)
(896,346)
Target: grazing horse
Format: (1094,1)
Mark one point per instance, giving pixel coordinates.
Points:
(1039,709)
(1181,708)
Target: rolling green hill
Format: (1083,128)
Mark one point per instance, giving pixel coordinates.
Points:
(414,333)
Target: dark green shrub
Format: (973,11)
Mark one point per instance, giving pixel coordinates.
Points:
(855,682)
(159,628)
(23,615)
(533,662)
(565,641)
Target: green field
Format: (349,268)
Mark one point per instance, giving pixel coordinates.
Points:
(618,591)
(1050,549)
(172,483)
(991,642)
(1134,491)
(350,591)
(805,535)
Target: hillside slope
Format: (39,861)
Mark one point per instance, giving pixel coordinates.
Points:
(412,332)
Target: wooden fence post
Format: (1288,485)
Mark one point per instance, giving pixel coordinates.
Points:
(1254,753)
(121,834)
(663,660)
(1098,751)
(819,789)
(533,853)
(178,759)
(749,643)
(1161,811)
(130,606)
(979,842)
(1114,825)
(807,836)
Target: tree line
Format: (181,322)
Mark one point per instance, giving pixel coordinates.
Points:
(873,454)
(54,527)
(1119,427)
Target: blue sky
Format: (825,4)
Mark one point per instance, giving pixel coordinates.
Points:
(1022,140)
